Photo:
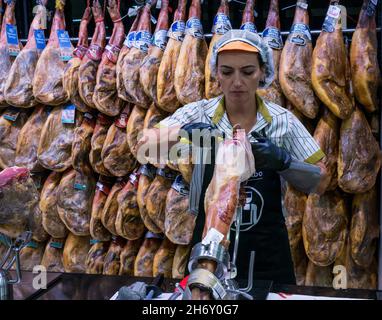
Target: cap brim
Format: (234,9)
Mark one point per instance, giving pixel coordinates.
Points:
(238,45)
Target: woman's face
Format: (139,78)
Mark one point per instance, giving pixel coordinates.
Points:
(239,73)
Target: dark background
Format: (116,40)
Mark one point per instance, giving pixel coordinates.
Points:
(75,8)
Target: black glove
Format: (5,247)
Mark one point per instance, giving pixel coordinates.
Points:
(268,156)
(206,130)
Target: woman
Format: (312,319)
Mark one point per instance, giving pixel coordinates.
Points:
(280,143)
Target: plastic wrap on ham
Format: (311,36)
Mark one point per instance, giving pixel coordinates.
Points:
(11,122)
(19,197)
(97,229)
(29,138)
(52,259)
(51,220)
(180,261)
(128,255)
(97,141)
(128,222)
(112,262)
(47,82)
(75,252)
(75,198)
(179,222)
(143,266)
(55,147)
(5,57)
(163,259)
(96,256)
(18,90)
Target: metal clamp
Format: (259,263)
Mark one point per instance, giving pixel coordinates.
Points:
(212,251)
(207,280)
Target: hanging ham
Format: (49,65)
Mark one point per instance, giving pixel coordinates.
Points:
(220,26)
(324,227)
(51,220)
(148,71)
(272,37)
(166,94)
(19,197)
(327,137)
(70,77)
(127,45)
(163,259)
(318,276)
(134,128)
(97,141)
(180,261)
(96,257)
(133,89)
(110,209)
(330,65)
(29,138)
(128,255)
(55,146)
(296,64)
(75,251)
(87,71)
(82,144)
(364,229)
(18,90)
(47,82)
(105,95)
(147,174)
(116,155)
(360,157)
(366,74)
(52,259)
(248,19)
(31,255)
(7,55)
(128,222)
(75,198)
(189,73)
(11,123)
(112,262)
(143,266)
(97,229)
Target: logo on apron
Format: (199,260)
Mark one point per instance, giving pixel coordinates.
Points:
(252,210)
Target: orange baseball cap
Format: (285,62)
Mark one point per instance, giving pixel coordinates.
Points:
(238,46)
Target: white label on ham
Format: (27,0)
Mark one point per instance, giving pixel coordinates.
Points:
(152,235)
(213,235)
(177,30)
(40,39)
(68,114)
(371,6)
(103,188)
(300,34)
(160,39)
(130,38)
(180,186)
(12,40)
(331,18)
(221,24)
(94,52)
(142,40)
(249,26)
(272,36)
(194,28)
(302,5)
(112,52)
(65,45)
